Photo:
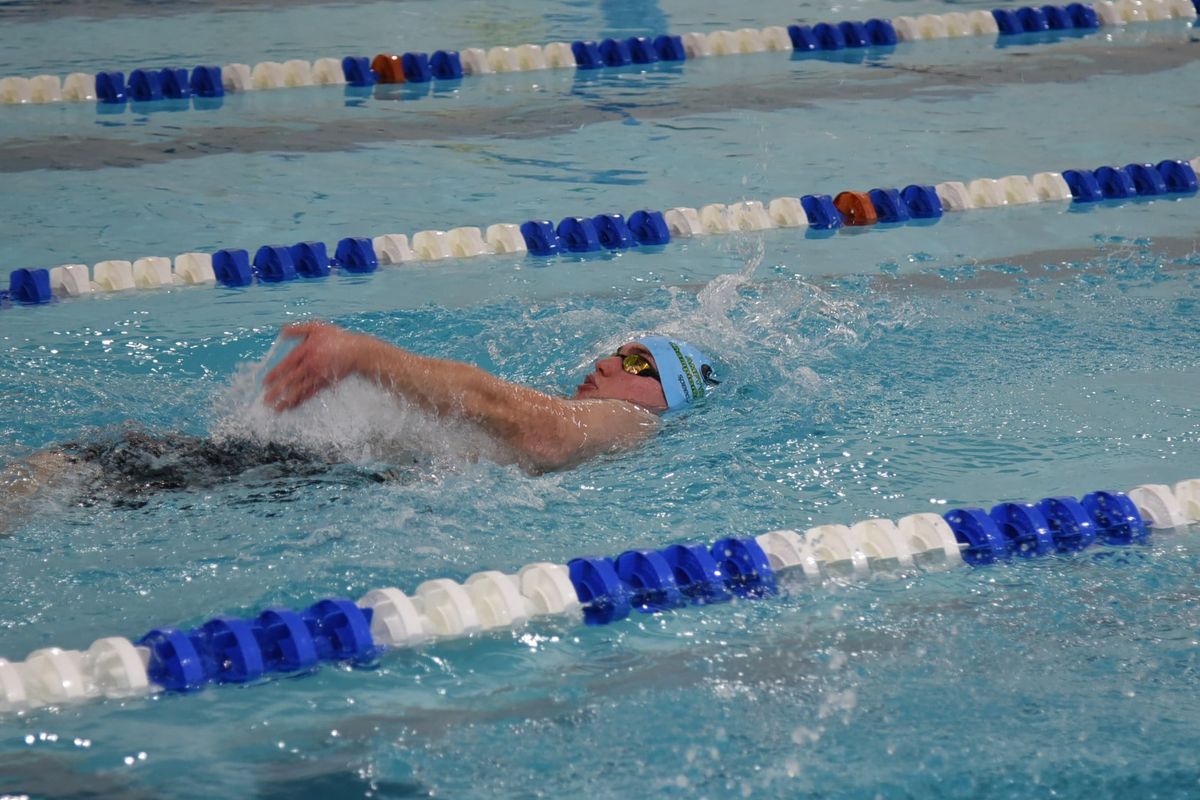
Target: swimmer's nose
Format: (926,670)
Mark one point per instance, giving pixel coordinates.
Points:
(605,366)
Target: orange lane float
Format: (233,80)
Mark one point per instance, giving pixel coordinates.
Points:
(388,68)
(856,208)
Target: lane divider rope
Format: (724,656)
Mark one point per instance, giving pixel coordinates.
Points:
(574,235)
(602,590)
(206,82)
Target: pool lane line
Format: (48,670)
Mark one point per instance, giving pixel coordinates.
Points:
(646,228)
(599,590)
(207,84)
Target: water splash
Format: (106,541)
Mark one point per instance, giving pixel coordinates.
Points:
(355,421)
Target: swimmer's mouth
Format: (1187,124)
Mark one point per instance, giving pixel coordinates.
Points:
(588,383)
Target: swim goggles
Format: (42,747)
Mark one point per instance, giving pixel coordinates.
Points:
(638,364)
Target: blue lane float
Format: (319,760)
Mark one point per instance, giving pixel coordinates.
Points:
(416,67)
(1024,527)
(175,83)
(854,34)
(696,573)
(639,50)
(1083,185)
(1115,183)
(829,37)
(923,201)
(615,53)
(587,55)
(605,597)
(145,85)
(311,259)
(541,238)
(30,286)
(1147,181)
(285,641)
(1134,180)
(578,235)
(1116,517)
(232,268)
(1178,176)
(110,87)
(1052,525)
(642,50)
(592,234)
(206,82)
(1057,18)
(978,531)
(230,650)
(1083,16)
(651,580)
(1069,522)
(446,65)
(612,231)
(356,255)
(803,38)
(670,48)
(881,32)
(274,264)
(822,214)
(746,569)
(842,35)
(168,83)
(1039,19)
(1032,20)
(649,228)
(889,205)
(357,71)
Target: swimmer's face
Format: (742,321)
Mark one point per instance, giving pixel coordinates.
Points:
(610,380)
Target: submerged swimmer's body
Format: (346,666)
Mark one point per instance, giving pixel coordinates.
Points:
(615,407)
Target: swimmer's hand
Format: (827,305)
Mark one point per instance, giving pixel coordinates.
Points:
(325,355)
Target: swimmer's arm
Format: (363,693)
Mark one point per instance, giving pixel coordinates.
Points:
(545,432)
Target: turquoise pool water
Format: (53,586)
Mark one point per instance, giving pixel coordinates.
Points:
(1005,354)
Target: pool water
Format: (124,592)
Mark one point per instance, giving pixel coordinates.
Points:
(1006,354)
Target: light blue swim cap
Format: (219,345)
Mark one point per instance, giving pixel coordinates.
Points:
(685,371)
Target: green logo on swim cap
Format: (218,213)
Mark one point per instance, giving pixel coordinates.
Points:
(694,389)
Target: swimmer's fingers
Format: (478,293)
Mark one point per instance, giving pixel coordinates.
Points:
(313,333)
(298,380)
(321,359)
(295,392)
(287,365)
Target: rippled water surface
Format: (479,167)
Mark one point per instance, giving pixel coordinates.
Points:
(1009,354)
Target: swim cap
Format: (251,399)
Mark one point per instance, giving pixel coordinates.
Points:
(685,371)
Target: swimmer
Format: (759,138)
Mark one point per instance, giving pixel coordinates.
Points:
(616,407)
